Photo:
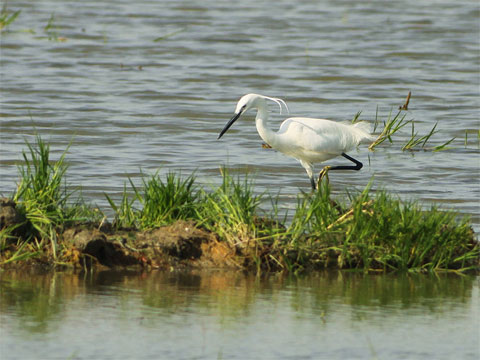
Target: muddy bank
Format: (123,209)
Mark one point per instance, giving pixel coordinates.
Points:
(178,245)
(184,244)
(181,244)
(85,246)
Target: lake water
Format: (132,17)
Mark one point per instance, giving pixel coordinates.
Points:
(96,77)
(216,315)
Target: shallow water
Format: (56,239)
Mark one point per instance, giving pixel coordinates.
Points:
(216,315)
(97,78)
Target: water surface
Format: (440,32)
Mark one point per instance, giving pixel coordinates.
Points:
(217,315)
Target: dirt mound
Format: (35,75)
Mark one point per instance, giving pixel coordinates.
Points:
(181,244)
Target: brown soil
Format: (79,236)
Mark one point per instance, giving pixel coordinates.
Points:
(181,244)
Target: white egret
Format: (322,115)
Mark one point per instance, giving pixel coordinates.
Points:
(305,139)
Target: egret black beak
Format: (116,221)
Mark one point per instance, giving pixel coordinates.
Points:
(230,123)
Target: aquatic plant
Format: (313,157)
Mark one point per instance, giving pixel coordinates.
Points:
(394,124)
(7,17)
(390,127)
(466,141)
(51,30)
(169,35)
(414,140)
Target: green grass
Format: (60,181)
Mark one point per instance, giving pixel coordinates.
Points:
(378,232)
(390,126)
(477,136)
(7,17)
(365,230)
(160,202)
(415,141)
(393,125)
(231,210)
(43,197)
(382,232)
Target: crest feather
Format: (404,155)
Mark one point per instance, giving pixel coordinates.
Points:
(279,102)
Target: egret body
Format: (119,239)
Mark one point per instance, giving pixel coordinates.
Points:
(308,140)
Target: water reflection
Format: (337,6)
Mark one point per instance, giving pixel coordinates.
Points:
(214,314)
(37,298)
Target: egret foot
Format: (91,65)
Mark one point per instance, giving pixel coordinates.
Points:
(266,146)
(323,174)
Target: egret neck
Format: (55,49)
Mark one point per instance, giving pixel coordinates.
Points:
(265,133)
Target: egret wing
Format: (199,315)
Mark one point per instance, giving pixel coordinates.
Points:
(315,135)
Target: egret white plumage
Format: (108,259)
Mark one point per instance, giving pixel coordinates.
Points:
(308,140)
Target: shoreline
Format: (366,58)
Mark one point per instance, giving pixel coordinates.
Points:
(184,245)
(171,222)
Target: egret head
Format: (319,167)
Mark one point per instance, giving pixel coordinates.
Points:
(250,101)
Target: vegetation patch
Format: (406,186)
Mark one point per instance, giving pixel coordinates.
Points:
(171,222)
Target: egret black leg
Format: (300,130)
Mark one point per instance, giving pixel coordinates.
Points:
(358,164)
(312,181)
(324,173)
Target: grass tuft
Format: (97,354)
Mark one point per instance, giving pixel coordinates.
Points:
(231,210)
(162,202)
(43,197)
(166,201)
